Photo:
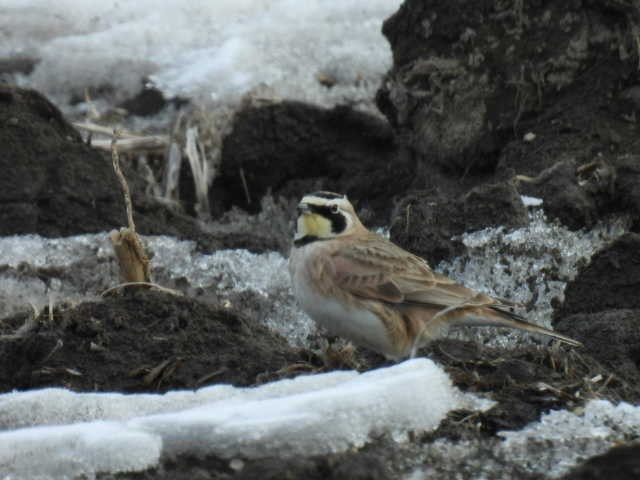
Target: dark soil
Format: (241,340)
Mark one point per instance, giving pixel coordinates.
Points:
(621,463)
(147,341)
(143,341)
(430,223)
(526,382)
(291,149)
(610,281)
(611,336)
(466,75)
(470,80)
(483,92)
(53,184)
(366,464)
(602,308)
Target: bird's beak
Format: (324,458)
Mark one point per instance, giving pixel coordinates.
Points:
(303,208)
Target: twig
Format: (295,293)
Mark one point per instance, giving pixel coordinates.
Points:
(132,258)
(149,142)
(141,284)
(95,128)
(209,376)
(115,159)
(245,186)
(527,179)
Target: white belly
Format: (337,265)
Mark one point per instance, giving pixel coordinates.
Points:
(356,324)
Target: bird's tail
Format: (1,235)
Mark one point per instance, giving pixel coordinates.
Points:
(505,317)
(497,315)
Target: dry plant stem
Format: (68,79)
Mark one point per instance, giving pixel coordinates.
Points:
(526,179)
(115,159)
(95,128)
(200,170)
(133,260)
(149,142)
(245,186)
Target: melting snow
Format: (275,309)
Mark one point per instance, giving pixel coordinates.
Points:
(82,267)
(208,50)
(529,265)
(568,437)
(308,415)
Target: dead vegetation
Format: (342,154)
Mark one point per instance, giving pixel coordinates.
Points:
(132,258)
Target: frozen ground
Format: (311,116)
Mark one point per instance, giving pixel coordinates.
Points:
(132,432)
(529,265)
(548,448)
(82,434)
(81,267)
(211,51)
(86,433)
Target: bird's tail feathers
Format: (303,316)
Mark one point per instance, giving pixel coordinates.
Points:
(487,316)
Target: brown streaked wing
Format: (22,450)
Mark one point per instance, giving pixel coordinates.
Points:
(378,269)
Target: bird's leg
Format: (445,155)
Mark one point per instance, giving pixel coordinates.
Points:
(435,328)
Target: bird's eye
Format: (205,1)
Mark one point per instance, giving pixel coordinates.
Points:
(334,209)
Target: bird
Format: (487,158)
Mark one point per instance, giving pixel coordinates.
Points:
(362,287)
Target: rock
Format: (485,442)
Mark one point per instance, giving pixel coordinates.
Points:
(291,148)
(466,75)
(621,463)
(427,223)
(610,281)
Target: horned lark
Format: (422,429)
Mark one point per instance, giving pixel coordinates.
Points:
(362,287)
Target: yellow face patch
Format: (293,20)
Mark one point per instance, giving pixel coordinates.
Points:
(314,225)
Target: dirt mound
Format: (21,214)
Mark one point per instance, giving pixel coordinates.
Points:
(291,148)
(621,463)
(430,224)
(144,341)
(611,336)
(499,90)
(526,382)
(366,464)
(465,74)
(610,281)
(602,308)
(54,184)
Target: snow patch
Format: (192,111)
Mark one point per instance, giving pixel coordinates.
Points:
(567,437)
(206,50)
(530,265)
(309,415)
(81,267)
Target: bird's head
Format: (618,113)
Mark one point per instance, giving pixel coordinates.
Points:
(324,215)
